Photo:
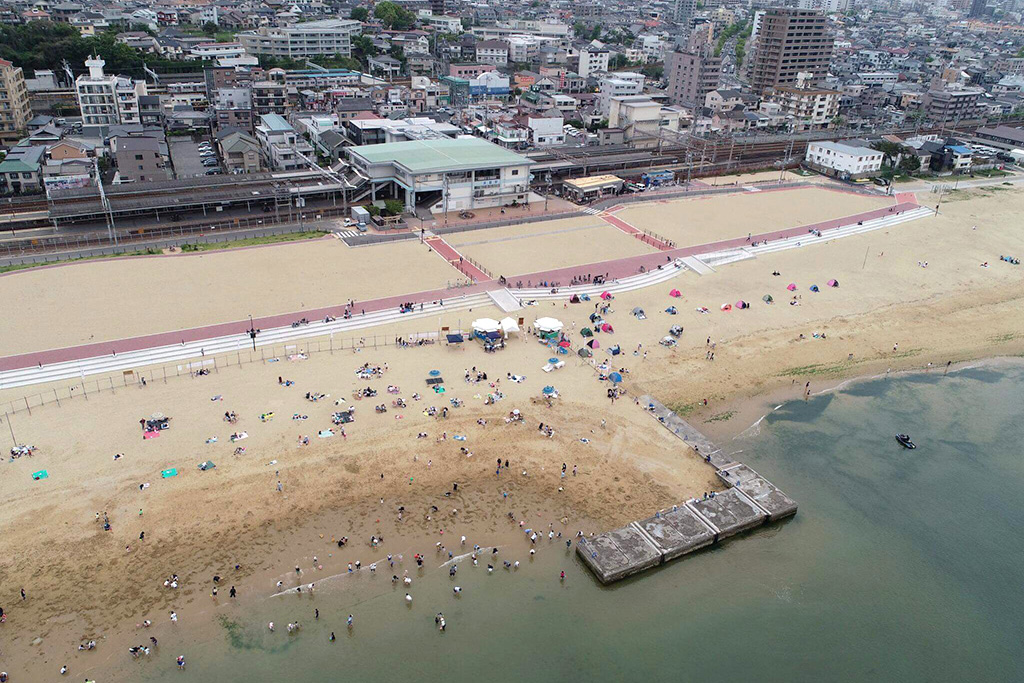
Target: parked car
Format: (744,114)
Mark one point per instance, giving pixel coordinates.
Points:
(214,171)
(208,153)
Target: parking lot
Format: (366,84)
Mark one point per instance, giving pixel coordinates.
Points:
(185,155)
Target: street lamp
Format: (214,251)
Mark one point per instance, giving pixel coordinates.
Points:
(252,332)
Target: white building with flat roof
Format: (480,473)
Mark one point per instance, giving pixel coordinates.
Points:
(843,159)
(308,39)
(442,175)
(107,100)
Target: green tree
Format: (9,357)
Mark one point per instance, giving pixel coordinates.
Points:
(889,150)
(210,28)
(363,48)
(618,61)
(394,207)
(359,14)
(394,16)
(910,164)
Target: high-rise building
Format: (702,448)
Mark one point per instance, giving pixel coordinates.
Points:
(308,39)
(691,76)
(14,108)
(683,11)
(978,8)
(790,42)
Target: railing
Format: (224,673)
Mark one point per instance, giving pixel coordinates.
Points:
(78,390)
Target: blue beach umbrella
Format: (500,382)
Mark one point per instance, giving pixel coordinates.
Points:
(434,373)
(549,389)
(615,377)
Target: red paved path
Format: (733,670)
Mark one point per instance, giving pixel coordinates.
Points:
(453,257)
(616,268)
(635,232)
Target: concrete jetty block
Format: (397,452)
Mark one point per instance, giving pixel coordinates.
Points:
(730,512)
(617,554)
(677,532)
(768,496)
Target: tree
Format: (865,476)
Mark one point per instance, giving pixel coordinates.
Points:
(889,150)
(210,28)
(359,14)
(393,16)
(394,207)
(618,61)
(910,164)
(363,48)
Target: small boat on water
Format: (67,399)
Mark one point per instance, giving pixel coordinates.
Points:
(904,440)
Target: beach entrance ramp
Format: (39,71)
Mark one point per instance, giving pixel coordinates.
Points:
(505,300)
(697,266)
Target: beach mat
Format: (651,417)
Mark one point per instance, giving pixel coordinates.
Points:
(150,435)
(41,474)
(431,381)
(325,434)
(167,474)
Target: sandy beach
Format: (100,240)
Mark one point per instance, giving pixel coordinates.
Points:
(913,295)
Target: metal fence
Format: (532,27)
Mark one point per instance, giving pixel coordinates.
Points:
(81,390)
(68,247)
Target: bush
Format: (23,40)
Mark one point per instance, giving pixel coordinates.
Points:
(394,207)
(373,209)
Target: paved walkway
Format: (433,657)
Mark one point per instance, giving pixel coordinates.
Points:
(456,260)
(634,232)
(616,268)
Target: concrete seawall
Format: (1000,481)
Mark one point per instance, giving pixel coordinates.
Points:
(750,501)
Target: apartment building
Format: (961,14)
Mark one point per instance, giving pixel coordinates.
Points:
(280,145)
(14,108)
(593,60)
(811,108)
(790,42)
(106,100)
(308,39)
(691,76)
(951,105)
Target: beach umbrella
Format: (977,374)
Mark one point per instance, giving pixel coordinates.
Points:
(637,310)
(767,298)
(434,373)
(486,325)
(615,377)
(548,390)
(741,304)
(564,343)
(833,283)
(585,352)
(791,287)
(814,288)
(548,324)
(606,296)
(594,344)
(552,360)
(726,307)
(676,293)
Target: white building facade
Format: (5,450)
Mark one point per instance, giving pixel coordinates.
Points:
(843,160)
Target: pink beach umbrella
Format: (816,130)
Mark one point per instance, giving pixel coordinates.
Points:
(606,296)
(833,283)
(605,327)
(791,287)
(726,307)
(675,293)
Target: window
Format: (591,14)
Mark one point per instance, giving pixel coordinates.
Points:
(515,171)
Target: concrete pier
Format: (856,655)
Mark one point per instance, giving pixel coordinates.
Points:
(750,501)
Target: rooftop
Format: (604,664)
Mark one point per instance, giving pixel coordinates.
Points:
(425,156)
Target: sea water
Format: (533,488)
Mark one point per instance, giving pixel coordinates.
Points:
(900,566)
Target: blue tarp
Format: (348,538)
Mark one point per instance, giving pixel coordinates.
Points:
(452,339)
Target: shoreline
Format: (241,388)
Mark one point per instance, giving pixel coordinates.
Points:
(752,409)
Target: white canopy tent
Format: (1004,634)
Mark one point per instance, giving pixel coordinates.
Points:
(486,325)
(509,326)
(548,325)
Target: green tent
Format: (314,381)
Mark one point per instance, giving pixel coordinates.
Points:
(587,332)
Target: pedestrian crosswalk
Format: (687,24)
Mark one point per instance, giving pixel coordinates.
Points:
(593,212)
(342,234)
